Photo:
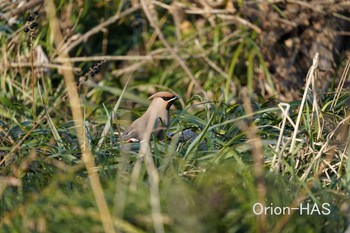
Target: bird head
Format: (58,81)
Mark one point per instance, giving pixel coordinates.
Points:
(163,98)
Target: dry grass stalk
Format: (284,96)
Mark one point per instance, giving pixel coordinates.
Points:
(310,76)
(152,172)
(341,83)
(285,109)
(74,101)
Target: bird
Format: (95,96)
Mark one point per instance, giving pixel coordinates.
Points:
(159,111)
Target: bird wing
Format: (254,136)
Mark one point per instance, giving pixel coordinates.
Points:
(133,132)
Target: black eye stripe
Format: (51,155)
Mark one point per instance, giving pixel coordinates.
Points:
(167,98)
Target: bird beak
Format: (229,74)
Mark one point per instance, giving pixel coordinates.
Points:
(174,98)
(171,101)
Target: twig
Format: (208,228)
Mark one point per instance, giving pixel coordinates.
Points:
(99,27)
(129,69)
(113,58)
(241,21)
(153,22)
(25,7)
(42,65)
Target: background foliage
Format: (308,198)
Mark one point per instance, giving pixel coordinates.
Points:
(232,71)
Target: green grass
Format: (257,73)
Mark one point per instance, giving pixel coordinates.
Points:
(210,184)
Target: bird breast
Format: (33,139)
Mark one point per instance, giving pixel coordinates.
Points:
(158,106)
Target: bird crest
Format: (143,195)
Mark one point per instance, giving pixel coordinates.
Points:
(162,94)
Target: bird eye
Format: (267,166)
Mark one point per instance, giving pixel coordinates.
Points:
(166,98)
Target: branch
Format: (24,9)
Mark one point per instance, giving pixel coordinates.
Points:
(20,10)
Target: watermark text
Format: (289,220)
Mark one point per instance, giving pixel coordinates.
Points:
(302,209)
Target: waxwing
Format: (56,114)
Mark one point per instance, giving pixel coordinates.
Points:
(159,111)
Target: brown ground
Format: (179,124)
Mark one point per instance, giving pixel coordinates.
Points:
(295,32)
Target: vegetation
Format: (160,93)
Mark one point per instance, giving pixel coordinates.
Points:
(74,74)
